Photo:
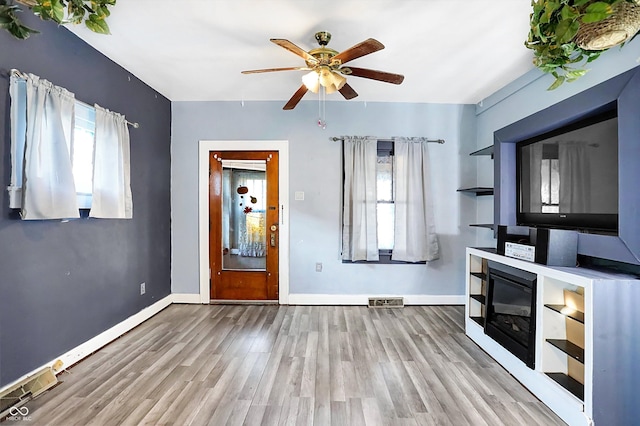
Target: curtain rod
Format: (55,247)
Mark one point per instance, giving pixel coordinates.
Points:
(23,76)
(416,139)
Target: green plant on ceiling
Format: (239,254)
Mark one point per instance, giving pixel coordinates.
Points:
(565,35)
(92,12)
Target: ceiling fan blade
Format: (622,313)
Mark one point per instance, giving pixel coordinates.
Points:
(348,92)
(276,69)
(296,98)
(387,77)
(294,49)
(361,49)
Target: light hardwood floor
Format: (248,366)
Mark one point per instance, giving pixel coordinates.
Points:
(291,365)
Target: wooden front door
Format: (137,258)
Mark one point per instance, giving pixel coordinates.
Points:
(244,225)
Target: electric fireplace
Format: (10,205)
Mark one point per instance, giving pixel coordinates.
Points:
(511,308)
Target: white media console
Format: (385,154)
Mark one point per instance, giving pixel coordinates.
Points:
(605,363)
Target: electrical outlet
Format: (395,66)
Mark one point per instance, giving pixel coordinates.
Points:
(319,267)
(143,288)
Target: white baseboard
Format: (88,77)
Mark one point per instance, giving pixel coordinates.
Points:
(363,299)
(90,346)
(189,298)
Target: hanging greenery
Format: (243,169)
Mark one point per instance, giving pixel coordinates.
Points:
(565,35)
(92,12)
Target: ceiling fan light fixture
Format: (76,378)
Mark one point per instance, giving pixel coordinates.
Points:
(330,80)
(311,81)
(338,80)
(330,89)
(325,77)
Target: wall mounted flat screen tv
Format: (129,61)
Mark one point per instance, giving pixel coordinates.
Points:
(568,178)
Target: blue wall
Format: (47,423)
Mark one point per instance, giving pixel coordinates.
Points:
(623,90)
(528,95)
(315,168)
(64,283)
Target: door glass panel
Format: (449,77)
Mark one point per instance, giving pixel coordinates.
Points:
(244,230)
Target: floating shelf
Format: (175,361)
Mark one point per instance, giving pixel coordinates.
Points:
(576,315)
(478,190)
(479,297)
(483,225)
(569,383)
(484,151)
(478,320)
(571,349)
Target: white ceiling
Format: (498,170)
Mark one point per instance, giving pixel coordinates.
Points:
(450,51)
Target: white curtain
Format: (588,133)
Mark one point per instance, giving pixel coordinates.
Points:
(575,182)
(48,187)
(359,229)
(18,94)
(415,236)
(111,196)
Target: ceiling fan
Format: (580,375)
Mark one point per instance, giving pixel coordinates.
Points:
(327,70)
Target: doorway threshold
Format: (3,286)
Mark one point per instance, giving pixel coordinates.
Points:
(242,302)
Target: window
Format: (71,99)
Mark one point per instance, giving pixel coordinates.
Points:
(66,156)
(385,207)
(82,153)
(387,212)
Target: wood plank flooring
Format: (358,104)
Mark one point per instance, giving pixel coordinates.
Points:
(291,365)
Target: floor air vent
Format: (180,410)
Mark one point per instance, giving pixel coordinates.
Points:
(21,392)
(386,302)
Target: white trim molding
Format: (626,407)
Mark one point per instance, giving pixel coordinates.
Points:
(92,345)
(186,298)
(206,146)
(363,299)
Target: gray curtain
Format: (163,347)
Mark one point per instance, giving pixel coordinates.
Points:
(359,229)
(415,238)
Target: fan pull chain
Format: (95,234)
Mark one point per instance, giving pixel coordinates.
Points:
(322,113)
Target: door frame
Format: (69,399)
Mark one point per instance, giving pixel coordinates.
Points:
(206,146)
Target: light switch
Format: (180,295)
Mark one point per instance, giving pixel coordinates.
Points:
(299,196)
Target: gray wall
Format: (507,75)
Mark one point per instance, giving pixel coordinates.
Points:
(315,168)
(64,283)
(527,95)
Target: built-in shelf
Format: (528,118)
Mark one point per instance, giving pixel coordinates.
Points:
(490,250)
(479,190)
(483,225)
(480,275)
(478,320)
(484,151)
(479,297)
(569,383)
(568,312)
(477,291)
(571,349)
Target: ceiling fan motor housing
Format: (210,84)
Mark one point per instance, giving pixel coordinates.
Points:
(323,37)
